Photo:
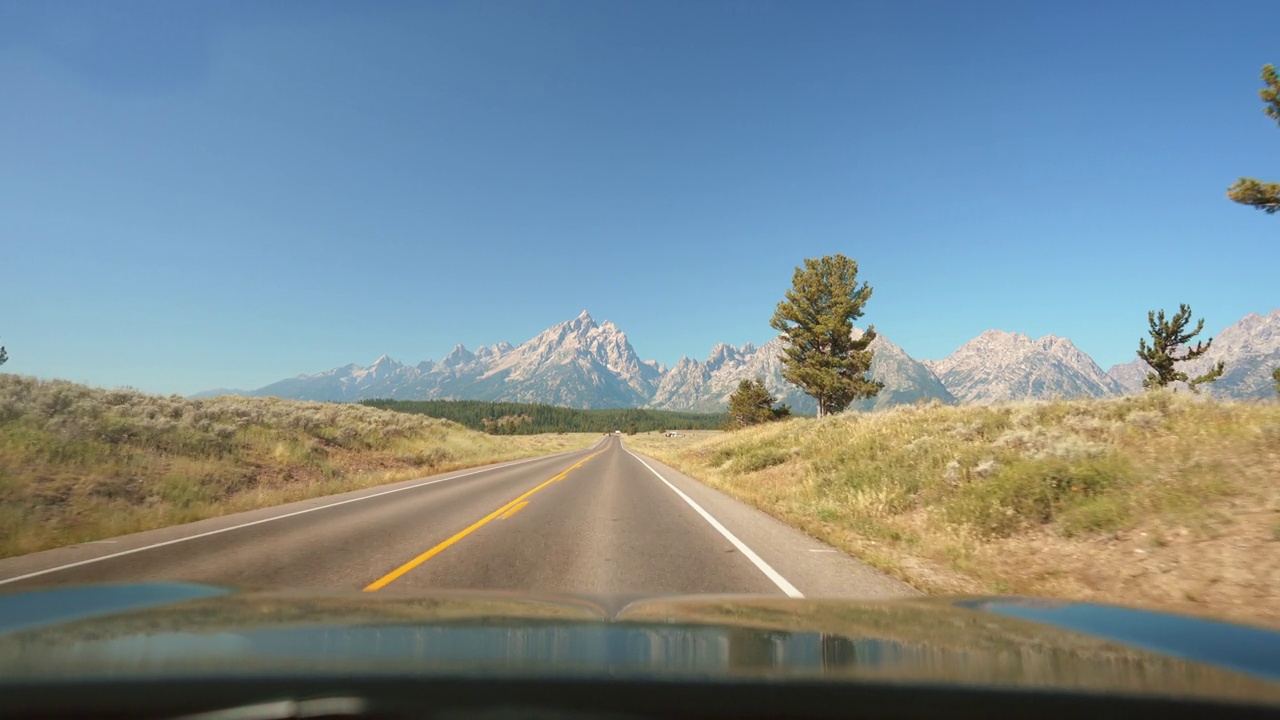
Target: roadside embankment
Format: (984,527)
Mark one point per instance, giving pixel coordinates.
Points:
(79,463)
(1162,499)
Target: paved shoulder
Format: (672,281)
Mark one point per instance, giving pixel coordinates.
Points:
(814,568)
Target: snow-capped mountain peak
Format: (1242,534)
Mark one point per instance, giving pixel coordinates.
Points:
(580,363)
(458,356)
(998,365)
(584,320)
(706,386)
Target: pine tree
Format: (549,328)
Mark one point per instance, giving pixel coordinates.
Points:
(816,320)
(1275,375)
(752,404)
(1247,191)
(1168,339)
(4,356)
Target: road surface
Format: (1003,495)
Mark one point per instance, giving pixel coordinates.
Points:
(601,521)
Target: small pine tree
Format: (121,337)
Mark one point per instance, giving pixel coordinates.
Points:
(1167,337)
(752,404)
(1275,375)
(821,356)
(4,356)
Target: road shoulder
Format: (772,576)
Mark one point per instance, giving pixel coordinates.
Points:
(22,567)
(813,567)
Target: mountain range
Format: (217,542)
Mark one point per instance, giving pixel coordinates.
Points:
(998,366)
(584,364)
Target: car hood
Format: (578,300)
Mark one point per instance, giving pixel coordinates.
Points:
(182,631)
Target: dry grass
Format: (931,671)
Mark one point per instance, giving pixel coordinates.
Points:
(1160,499)
(80,463)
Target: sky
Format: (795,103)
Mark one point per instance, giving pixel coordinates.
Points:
(202,194)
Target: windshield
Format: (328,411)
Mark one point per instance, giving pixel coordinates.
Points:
(584,306)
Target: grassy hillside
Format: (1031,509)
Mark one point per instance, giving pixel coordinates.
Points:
(1158,499)
(504,418)
(79,463)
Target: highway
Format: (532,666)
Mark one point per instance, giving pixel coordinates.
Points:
(602,521)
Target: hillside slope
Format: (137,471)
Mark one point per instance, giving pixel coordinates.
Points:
(1159,499)
(80,463)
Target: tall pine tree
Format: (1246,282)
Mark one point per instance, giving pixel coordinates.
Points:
(816,321)
(1169,347)
(1264,196)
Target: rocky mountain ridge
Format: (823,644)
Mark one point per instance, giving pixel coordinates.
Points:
(584,364)
(998,366)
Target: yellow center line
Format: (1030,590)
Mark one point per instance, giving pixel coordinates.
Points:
(511,507)
(514,510)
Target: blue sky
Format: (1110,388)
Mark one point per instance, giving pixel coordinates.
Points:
(222,194)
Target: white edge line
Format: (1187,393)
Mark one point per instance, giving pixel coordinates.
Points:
(273,518)
(750,554)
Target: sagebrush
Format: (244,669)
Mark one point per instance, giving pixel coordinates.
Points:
(1166,498)
(80,463)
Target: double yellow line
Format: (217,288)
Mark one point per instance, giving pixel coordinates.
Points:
(507,510)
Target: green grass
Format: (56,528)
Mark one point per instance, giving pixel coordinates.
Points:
(1027,492)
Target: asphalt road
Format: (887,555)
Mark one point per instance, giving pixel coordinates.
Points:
(601,521)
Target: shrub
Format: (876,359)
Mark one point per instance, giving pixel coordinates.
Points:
(1144,419)
(758,458)
(1034,492)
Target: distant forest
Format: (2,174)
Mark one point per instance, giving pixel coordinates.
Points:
(505,418)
